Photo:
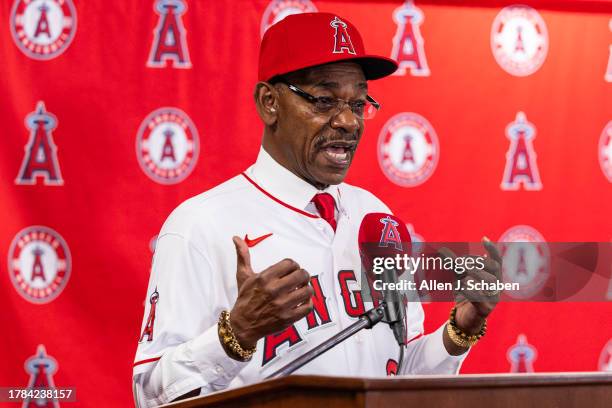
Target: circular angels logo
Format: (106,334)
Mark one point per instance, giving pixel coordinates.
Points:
(408,149)
(279,9)
(43,29)
(39,264)
(167,145)
(605,151)
(526,260)
(519,40)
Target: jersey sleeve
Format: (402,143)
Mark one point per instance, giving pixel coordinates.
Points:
(427,355)
(179,349)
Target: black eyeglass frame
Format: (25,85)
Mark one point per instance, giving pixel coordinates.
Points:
(314,99)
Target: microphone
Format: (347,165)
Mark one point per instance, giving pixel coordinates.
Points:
(385,236)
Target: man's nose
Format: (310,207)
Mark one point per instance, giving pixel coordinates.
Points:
(345,119)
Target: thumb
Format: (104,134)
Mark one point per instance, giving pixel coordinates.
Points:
(243,261)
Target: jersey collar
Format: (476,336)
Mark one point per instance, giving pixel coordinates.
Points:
(282,184)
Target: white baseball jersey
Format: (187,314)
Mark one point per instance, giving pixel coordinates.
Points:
(193,278)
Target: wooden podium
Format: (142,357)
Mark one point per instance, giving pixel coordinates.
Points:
(590,390)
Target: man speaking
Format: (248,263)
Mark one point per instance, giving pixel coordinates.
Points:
(253,273)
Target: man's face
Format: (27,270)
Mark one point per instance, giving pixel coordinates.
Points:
(319,147)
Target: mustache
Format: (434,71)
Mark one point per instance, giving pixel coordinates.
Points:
(348,140)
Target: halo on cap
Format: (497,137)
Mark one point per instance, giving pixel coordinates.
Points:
(307,40)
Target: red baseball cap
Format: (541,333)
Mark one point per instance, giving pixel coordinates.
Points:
(309,39)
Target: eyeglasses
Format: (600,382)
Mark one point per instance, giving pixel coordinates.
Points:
(362,109)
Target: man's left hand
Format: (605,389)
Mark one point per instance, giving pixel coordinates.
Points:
(473,306)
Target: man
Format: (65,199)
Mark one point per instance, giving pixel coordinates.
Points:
(254,272)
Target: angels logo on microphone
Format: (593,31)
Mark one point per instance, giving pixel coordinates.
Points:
(167,145)
(390,236)
(43,29)
(519,40)
(408,45)
(521,356)
(169,36)
(408,149)
(605,151)
(39,264)
(521,165)
(40,159)
(279,9)
(605,358)
(41,368)
(526,259)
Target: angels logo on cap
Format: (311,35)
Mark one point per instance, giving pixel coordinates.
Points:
(39,264)
(167,145)
(408,149)
(316,39)
(519,40)
(526,260)
(605,151)
(279,9)
(43,29)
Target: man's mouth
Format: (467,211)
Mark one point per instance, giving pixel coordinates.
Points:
(339,152)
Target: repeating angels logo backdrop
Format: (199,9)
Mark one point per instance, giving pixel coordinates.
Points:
(408,149)
(167,145)
(496,123)
(519,40)
(43,29)
(39,264)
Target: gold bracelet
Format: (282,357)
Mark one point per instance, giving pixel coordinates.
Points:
(228,340)
(458,336)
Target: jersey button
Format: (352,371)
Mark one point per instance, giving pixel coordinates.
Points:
(218,369)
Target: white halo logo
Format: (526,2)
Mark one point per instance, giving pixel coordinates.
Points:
(43,29)
(167,145)
(408,149)
(519,40)
(39,264)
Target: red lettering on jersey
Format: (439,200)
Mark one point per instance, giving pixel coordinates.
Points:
(43,24)
(390,235)
(342,39)
(353,302)
(408,45)
(391,367)
(169,43)
(521,165)
(319,306)
(40,152)
(148,330)
(273,341)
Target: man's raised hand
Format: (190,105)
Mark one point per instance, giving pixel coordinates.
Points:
(268,301)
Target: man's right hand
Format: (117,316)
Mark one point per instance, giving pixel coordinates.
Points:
(268,301)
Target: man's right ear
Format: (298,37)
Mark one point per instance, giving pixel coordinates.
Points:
(266,101)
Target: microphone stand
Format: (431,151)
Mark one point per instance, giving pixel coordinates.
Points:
(366,321)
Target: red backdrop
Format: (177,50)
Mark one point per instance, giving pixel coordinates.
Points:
(94,66)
